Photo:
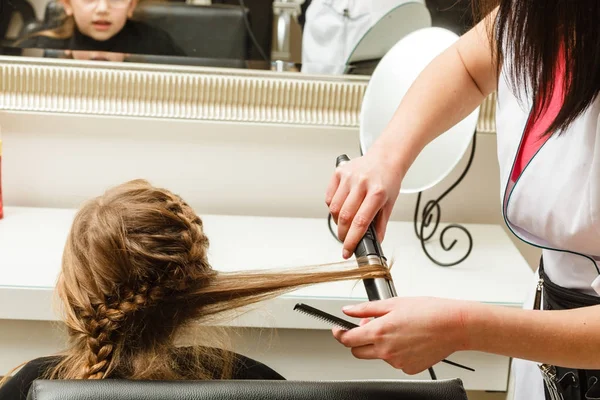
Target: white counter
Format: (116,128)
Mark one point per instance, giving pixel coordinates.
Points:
(32,239)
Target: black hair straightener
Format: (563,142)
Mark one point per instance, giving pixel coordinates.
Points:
(347,325)
(368,252)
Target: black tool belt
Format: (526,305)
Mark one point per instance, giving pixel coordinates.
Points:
(566,383)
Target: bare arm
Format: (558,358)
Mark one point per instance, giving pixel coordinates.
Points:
(569,338)
(413,334)
(446,91)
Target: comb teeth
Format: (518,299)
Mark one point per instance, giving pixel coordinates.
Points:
(323,316)
(320,318)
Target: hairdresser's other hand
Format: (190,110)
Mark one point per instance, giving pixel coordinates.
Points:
(410,334)
(357,191)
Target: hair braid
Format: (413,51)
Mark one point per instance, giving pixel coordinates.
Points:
(133,301)
(101,326)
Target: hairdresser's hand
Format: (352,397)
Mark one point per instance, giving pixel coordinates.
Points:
(410,334)
(357,191)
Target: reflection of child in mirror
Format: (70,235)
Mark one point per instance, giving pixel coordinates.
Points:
(103,25)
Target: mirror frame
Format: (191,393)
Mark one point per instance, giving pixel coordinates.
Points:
(30,84)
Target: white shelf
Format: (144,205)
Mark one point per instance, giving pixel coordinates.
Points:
(32,239)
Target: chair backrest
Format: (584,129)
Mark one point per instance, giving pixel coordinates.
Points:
(261,20)
(110,389)
(216,31)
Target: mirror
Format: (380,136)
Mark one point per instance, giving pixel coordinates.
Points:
(390,81)
(250,34)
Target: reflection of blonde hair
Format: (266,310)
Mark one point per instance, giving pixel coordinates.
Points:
(135,272)
(65,30)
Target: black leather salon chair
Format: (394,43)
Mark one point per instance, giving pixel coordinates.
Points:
(245,390)
(261,20)
(216,31)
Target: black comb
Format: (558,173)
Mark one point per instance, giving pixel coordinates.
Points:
(331,319)
(347,325)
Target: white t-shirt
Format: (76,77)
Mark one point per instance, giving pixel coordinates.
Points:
(554,205)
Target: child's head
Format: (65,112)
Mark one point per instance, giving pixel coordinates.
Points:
(132,261)
(99,19)
(135,272)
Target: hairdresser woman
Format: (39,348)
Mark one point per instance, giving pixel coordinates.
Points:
(548,52)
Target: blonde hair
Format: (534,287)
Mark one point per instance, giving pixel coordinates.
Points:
(65,30)
(135,273)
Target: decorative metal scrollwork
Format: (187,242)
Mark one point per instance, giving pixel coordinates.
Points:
(430,219)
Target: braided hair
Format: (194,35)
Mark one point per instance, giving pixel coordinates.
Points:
(135,272)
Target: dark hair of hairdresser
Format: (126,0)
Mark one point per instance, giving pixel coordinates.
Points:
(531,38)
